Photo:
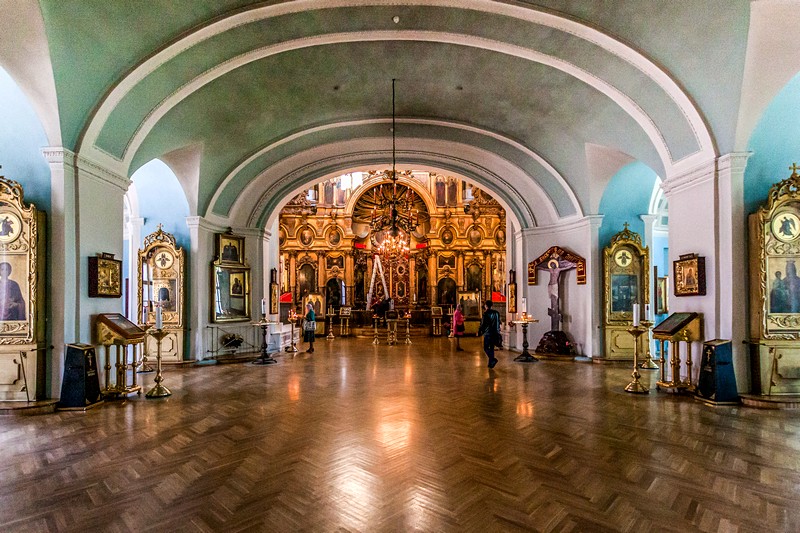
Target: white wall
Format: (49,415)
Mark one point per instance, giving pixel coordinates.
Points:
(576,300)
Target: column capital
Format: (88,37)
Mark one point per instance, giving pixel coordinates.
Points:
(60,156)
(200,223)
(706,171)
(648,219)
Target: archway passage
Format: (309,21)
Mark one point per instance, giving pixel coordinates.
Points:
(336,232)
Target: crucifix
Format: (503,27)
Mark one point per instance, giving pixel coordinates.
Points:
(556,265)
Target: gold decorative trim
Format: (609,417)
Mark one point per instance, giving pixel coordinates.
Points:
(157,241)
(783,197)
(22,250)
(638,263)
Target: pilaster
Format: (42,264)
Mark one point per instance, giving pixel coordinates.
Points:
(706,216)
(86,218)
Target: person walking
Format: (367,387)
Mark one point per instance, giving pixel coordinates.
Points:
(310,327)
(458,326)
(490,329)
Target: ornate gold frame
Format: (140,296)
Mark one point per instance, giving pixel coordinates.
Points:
(21,250)
(783,199)
(158,247)
(639,265)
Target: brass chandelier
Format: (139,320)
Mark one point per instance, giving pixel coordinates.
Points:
(397,218)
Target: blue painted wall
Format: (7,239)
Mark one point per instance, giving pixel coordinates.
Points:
(162,201)
(21,141)
(775,144)
(626,197)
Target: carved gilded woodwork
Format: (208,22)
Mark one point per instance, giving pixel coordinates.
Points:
(315,227)
(775,290)
(626,281)
(161,281)
(22,314)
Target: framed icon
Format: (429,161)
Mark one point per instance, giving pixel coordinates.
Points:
(274,298)
(230,248)
(690,275)
(105,276)
(662,290)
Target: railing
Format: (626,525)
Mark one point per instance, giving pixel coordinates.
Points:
(215,333)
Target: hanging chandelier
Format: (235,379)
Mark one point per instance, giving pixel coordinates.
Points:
(393,218)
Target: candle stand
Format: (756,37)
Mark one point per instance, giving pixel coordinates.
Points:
(525,356)
(292,347)
(635,386)
(159,391)
(265,358)
(375,325)
(408,329)
(330,336)
(649,364)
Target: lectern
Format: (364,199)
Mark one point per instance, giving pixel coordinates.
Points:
(113,329)
(677,328)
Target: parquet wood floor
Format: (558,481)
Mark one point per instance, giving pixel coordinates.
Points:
(357,437)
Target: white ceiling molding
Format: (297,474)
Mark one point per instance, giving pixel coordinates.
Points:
(440,123)
(506,182)
(608,43)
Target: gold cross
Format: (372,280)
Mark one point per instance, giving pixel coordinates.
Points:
(625,225)
(794,168)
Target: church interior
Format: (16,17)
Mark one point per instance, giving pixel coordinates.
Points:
(247,250)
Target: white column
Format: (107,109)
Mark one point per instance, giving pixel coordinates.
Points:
(86,218)
(732,275)
(706,216)
(594,275)
(201,239)
(649,221)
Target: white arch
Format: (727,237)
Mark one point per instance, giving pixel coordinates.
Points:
(441,123)
(509,184)
(631,56)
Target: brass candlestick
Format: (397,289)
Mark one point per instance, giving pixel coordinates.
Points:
(265,358)
(525,356)
(649,364)
(292,347)
(408,330)
(375,324)
(635,386)
(159,391)
(330,336)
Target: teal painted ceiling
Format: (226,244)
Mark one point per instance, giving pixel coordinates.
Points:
(320,72)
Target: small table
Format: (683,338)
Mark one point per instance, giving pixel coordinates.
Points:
(525,356)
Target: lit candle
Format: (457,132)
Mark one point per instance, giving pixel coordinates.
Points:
(263,306)
(159,321)
(635,314)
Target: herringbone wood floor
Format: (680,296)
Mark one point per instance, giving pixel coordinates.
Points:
(406,438)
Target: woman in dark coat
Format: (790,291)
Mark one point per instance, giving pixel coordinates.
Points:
(309,327)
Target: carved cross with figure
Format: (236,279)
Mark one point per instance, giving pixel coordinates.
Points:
(555,261)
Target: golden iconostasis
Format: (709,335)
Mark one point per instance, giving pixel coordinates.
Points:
(456,238)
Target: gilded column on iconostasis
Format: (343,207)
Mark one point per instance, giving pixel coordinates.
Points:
(775,290)
(161,279)
(22,313)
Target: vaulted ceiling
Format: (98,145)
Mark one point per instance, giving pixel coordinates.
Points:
(273,95)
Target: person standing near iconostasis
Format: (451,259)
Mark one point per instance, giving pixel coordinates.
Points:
(310,327)
(458,326)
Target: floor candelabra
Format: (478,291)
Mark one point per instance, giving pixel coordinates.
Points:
(159,390)
(265,358)
(635,386)
(525,356)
